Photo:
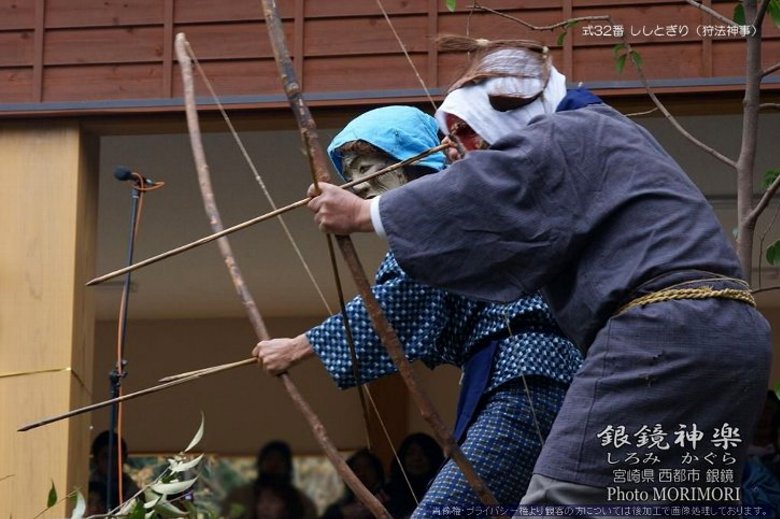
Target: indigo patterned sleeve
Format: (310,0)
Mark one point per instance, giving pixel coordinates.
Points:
(427,320)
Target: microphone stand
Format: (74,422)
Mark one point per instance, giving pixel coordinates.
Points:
(118,373)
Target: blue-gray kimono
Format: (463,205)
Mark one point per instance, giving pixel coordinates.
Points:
(516,363)
(587,207)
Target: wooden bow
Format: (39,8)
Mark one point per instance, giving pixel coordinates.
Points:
(320,434)
(387,335)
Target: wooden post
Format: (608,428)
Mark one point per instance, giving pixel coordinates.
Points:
(48,204)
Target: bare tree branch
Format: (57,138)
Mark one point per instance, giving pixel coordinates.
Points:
(767,289)
(763,202)
(713,13)
(747,214)
(770,70)
(760,12)
(646,112)
(762,239)
(766,106)
(669,117)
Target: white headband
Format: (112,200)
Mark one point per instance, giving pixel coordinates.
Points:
(472,105)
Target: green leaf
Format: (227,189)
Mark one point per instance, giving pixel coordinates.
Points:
(777,391)
(198,435)
(617,48)
(561,37)
(52,499)
(620,63)
(137,512)
(569,25)
(80,508)
(451,5)
(773,254)
(769,176)
(774,11)
(636,58)
(739,14)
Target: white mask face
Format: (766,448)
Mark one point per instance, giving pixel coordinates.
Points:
(357,166)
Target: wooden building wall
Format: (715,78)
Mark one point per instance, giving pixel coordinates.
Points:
(66,51)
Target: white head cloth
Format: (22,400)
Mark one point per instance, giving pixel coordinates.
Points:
(472,105)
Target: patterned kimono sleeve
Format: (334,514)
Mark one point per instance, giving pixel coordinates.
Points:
(424,318)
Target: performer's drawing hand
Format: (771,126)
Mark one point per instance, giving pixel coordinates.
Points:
(338,211)
(453,153)
(278,355)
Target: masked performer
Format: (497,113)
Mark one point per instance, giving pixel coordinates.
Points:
(516,363)
(565,195)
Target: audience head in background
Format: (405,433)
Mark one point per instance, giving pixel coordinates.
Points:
(274,460)
(368,468)
(276,499)
(99,451)
(421,458)
(274,484)
(99,471)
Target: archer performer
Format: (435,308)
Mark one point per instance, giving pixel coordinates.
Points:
(585,205)
(501,348)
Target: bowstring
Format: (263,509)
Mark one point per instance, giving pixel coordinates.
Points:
(527,390)
(350,340)
(258,177)
(348,331)
(395,454)
(406,53)
(291,239)
(435,107)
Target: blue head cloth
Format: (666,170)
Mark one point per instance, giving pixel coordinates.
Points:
(400,131)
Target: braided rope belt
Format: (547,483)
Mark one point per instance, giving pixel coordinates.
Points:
(705,292)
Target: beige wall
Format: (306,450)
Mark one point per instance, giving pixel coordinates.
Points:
(47,210)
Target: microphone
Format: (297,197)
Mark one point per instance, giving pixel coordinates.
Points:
(123,173)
